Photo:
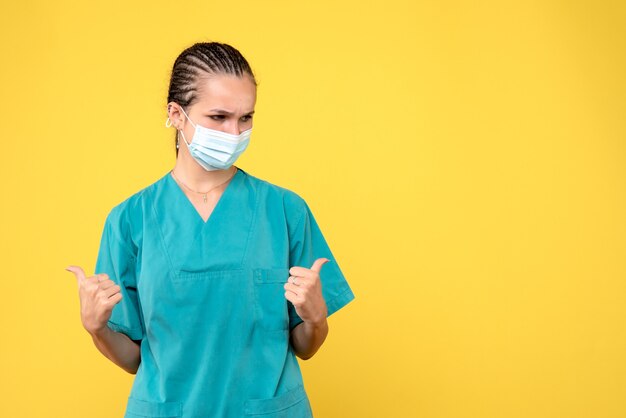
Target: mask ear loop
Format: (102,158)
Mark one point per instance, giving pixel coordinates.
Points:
(190,121)
(181,132)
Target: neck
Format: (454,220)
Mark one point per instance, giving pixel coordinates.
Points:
(196,177)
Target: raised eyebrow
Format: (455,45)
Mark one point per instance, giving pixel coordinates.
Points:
(226,112)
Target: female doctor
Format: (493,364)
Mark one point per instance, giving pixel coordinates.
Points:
(209,281)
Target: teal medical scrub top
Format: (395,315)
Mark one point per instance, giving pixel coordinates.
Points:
(207,300)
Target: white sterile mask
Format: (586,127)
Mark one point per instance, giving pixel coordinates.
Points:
(213,149)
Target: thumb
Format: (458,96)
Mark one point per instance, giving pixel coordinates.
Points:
(317,265)
(78,272)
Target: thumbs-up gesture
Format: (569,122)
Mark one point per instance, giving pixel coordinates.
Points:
(98,294)
(304,290)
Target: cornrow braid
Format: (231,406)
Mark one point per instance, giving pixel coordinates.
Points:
(201,60)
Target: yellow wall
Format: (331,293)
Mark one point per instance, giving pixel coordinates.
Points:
(465,160)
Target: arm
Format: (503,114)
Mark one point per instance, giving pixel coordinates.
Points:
(115,325)
(118,348)
(308,337)
(304,290)
(97,299)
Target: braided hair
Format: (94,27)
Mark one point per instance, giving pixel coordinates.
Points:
(199,61)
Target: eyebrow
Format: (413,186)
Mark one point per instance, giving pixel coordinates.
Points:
(226,112)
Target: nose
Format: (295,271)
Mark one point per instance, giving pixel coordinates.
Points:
(233,128)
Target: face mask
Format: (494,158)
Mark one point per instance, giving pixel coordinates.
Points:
(213,149)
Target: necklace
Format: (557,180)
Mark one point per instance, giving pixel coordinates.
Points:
(202,193)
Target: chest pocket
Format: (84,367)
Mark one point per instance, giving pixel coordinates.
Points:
(269,298)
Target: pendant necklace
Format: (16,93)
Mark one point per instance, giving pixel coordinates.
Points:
(202,193)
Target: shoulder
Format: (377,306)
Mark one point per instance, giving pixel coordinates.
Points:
(125,218)
(275,196)
(130,209)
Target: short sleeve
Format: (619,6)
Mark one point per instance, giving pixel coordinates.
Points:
(116,259)
(306,245)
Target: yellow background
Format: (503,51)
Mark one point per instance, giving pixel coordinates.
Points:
(465,161)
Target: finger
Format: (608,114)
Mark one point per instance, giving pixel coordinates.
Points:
(78,272)
(292,288)
(101,277)
(306,272)
(111,290)
(317,265)
(300,272)
(100,280)
(294,280)
(292,297)
(106,284)
(115,298)
(91,283)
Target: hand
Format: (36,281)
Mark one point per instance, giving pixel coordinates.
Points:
(304,291)
(98,294)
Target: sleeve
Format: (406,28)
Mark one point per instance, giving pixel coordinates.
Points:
(116,259)
(306,245)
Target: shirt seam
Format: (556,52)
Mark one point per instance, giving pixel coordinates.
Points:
(132,332)
(304,213)
(340,300)
(122,243)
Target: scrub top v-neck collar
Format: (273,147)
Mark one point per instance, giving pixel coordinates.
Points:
(193,245)
(190,205)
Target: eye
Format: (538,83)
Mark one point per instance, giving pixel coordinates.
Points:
(217,117)
(246,118)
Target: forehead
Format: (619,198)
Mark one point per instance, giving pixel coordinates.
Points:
(227,92)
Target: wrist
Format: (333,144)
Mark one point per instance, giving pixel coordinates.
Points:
(316,324)
(99,333)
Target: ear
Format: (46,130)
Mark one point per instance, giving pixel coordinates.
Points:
(176,116)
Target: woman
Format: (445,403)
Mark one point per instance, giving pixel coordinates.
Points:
(209,281)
